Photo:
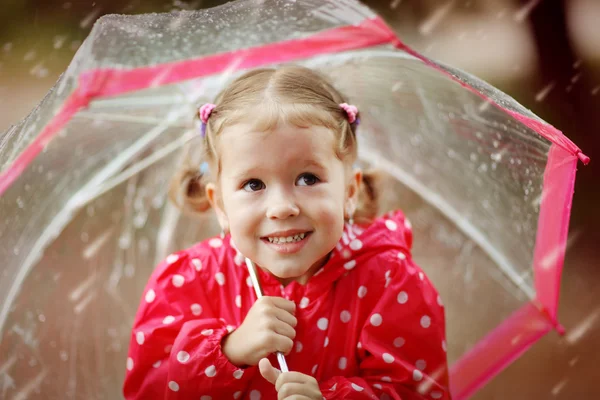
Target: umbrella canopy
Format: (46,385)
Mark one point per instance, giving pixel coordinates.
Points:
(83,182)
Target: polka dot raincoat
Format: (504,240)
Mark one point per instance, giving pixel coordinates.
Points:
(370,323)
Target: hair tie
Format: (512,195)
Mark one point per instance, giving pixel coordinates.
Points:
(350,110)
(204,113)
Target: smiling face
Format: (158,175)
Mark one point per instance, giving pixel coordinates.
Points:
(283,194)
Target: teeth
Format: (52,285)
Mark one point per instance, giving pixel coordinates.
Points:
(287,239)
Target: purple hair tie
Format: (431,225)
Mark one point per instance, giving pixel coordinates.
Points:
(204,113)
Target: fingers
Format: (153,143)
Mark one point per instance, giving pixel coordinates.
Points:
(286,317)
(282,303)
(294,379)
(267,370)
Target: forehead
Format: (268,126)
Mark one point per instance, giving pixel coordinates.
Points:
(241,147)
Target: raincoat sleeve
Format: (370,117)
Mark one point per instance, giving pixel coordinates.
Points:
(402,349)
(175,350)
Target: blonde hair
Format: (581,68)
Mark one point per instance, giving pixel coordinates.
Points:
(290,94)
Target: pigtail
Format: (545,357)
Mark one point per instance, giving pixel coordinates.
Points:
(187,189)
(368,197)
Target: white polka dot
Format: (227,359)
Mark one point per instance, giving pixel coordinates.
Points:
(183,357)
(345,316)
(386,379)
(407,224)
(238,374)
(388,358)
(205,398)
(174,386)
(356,244)
(402,297)
(322,323)
(207,332)
(359,345)
(350,264)
(238,301)
(314,369)
(172,258)
(150,296)
(417,375)
(421,276)
(362,292)
(129,363)
(387,281)
(399,342)
(376,319)
(342,363)
(402,256)
(346,254)
(444,347)
(255,395)
(220,278)
(237,395)
(377,386)
(249,282)
(332,389)
(304,302)
(439,301)
(215,242)
(298,347)
(197,264)
(425,321)
(169,319)
(436,395)
(139,338)
(391,225)
(168,348)
(157,364)
(356,387)
(196,309)
(211,371)
(421,364)
(387,274)
(178,280)
(326,343)
(239,259)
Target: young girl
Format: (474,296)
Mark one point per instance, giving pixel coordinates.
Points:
(354,316)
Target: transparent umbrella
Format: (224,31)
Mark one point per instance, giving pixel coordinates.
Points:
(83,182)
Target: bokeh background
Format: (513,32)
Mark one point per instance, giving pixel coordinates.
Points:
(544,53)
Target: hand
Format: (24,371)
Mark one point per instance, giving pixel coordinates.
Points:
(290,385)
(268,328)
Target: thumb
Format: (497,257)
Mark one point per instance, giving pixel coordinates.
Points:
(268,372)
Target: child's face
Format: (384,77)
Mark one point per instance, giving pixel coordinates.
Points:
(283,194)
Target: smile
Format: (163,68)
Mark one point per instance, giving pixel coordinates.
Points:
(287,242)
(287,239)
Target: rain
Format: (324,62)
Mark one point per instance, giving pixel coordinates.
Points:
(81,262)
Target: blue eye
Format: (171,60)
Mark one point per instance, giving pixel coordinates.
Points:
(307,180)
(254,185)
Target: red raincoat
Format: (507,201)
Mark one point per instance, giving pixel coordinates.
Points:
(370,323)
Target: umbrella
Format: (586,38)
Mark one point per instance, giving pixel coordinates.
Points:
(83,182)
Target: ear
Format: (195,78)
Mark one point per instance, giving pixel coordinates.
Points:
(214,197)
(352,192)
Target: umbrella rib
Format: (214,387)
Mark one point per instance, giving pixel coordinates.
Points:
(139,166)
(449,211)
(126,118)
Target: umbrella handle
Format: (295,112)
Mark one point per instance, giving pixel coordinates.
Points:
(259,293)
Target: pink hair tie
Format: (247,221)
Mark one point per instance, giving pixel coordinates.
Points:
(350,110)
(205,112)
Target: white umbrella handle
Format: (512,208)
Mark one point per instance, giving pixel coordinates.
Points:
(257,288)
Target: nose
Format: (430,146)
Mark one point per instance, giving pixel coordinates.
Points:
(282,205)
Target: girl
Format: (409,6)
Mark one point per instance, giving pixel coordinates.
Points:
(355,317)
